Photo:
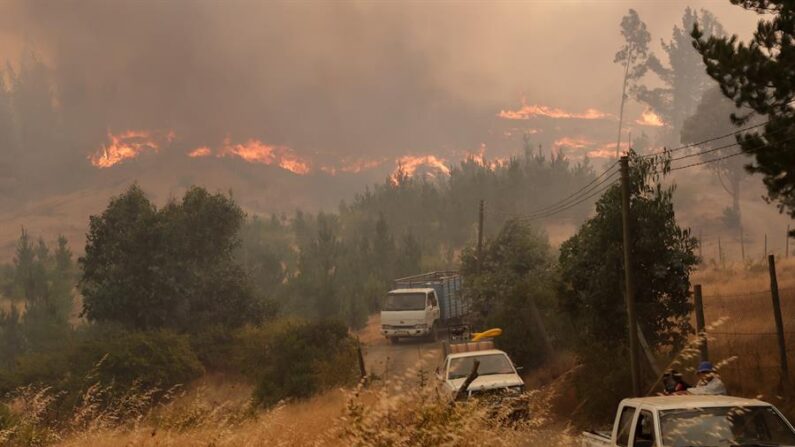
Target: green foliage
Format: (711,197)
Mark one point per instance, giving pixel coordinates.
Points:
(116,359)
(758,75)
(295,359)
(512,289)
(169,268)
(6,417)
(157,359)
(592,274)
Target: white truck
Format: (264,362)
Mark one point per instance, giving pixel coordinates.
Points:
(420,304)
(685,421)
(496,373)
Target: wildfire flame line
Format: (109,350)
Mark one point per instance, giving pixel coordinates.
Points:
(527,111)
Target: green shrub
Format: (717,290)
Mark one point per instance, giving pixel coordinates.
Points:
(213,346)
(6,418)
(108,365)
(152,359)
(296,359)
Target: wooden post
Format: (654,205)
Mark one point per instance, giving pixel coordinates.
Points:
(786,244)
(742,244)
(480,236)
(629,294)
(362,369)
(699,304)
(782,346)
(720,255)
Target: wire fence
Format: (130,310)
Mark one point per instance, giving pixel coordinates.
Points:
(748,338)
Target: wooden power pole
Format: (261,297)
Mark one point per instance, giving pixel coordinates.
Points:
(782,345)
(480,236)
(629,294)
(699,305)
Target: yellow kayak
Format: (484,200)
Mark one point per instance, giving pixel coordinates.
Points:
(495,332)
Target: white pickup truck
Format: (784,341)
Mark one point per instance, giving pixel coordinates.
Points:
(496,373)
(686,421)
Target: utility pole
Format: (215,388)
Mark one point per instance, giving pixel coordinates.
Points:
(699,305)
(720,255)
(480,236)
(786,244)
(629,294)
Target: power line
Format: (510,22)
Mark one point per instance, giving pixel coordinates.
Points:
(560,210)
(709,140)
(707,161)
(573,196)
(720,158)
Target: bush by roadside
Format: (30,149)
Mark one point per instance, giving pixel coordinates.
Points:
(296,359)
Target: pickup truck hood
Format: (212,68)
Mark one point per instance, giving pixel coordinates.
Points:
(402,317)
(488,382)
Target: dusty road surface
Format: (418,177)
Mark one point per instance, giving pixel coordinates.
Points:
(404,360)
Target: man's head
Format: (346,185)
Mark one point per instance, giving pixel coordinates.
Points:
(705,370)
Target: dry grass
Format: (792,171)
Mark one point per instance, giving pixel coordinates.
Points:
(742,296)
(406,412)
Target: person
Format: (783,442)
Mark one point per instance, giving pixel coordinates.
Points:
(674,382)
(709,383)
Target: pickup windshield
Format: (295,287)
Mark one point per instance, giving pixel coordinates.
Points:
(725,426)
(489,364)
(405,301)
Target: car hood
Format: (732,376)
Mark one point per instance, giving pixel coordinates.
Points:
(488,382)
(402,317)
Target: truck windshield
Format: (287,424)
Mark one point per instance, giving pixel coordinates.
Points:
(489,364)
(405,301)
(740,426)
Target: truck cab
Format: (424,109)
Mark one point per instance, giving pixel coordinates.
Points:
(411,312)
(683,421)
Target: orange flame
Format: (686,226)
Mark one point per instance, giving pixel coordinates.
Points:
(573,142)
(126,145)
(255,151)
(199,152)
(649,118)
(409,164)
(530,111)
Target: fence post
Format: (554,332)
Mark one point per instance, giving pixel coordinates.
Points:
(782,347)
(786,244)
(699,303)
(765,254)
(362,369)
(720,255)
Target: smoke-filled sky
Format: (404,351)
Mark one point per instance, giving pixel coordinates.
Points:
(336,84)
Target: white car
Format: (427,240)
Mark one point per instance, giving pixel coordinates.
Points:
(496,373)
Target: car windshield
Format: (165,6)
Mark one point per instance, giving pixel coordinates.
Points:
(725,426)
(405,301)
(489,364)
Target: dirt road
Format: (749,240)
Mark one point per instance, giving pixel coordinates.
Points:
(397,361)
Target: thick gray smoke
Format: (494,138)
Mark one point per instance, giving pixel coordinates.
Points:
(335,78)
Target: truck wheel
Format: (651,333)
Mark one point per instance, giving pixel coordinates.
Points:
(394,340)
